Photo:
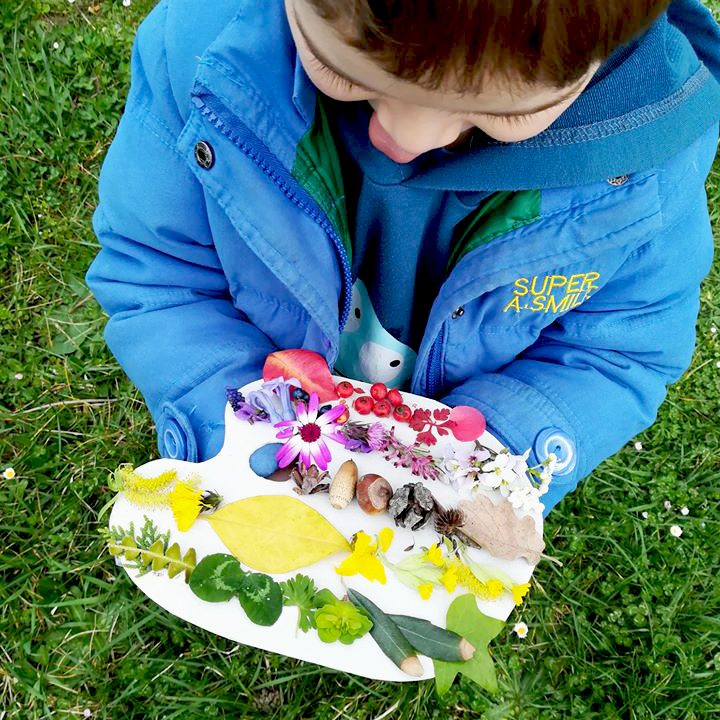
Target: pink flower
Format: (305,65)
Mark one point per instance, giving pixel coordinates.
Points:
(307,435)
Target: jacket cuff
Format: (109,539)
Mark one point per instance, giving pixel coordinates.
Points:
(509,407)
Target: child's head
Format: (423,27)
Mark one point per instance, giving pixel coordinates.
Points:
(435,69)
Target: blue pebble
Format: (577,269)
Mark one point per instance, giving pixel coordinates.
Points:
(263,462)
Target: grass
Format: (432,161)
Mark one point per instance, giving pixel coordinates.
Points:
(629,627)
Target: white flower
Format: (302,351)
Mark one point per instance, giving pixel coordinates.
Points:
(717,364)
(667,505)
(644,513)
(684,510)
(56,45)
(638,445)
(127,3)
(520,629)
(86,711)
(9,473)
(19,376)
(456,474)
(713,329)
(676,531)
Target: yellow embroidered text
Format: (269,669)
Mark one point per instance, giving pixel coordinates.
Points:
(552,293)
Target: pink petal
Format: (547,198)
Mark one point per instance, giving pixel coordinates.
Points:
(289,451)
(301,413)
(313,406)
(470,423)
(331,415)
(285,433)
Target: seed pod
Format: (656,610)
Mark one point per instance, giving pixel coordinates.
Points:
(373,493)
(342,488)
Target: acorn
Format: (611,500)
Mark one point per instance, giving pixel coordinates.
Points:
(342,487)
(373,493)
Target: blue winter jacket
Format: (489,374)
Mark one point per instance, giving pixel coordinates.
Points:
(564,332)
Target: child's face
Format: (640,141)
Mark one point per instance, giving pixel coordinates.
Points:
(409,120)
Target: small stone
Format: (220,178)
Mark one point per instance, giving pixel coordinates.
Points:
(263,461)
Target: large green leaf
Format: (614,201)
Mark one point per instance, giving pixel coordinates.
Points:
(465,619)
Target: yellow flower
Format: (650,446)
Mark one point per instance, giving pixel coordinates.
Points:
(425,590)
(519,592)
(385,537)
(494,588)
(187,502)
(450,579)
(435,556)
(363,560)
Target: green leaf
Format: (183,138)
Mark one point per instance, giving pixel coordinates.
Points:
(465,619)
(261,598)
(217,578)
(300,591)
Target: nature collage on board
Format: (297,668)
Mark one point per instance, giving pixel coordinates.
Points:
(454,535)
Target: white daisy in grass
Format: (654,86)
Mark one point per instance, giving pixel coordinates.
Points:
(305,436)
(520,629)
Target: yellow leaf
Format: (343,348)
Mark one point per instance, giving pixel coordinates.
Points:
(274,533)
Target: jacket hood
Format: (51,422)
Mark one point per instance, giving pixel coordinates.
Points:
(647,102)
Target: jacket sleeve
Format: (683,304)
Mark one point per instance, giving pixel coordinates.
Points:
(596,376)
(172,324)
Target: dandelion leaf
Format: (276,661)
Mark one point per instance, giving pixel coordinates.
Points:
(465,619)
(274,533)
(500,531)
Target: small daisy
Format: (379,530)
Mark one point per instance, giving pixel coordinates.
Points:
(520,629)
(305,437)
(9,473)
(676,531)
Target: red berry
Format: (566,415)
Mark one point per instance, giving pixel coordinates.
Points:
(382,408)
(402,413)
(379,391)
(364,404)
(344,389)
(395,397)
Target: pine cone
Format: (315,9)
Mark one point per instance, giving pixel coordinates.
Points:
(412,506)
(309,480)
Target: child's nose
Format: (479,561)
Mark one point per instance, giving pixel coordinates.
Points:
(418,129)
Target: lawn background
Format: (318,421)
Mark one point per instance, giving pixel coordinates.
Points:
(629,627)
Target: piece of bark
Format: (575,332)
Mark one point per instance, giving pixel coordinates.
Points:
(500,531)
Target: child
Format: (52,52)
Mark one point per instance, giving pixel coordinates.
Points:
(495,203)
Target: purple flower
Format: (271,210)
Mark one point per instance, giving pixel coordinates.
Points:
(376,437)
(306,435)
(273,398)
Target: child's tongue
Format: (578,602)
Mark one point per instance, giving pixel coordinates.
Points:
(382,141)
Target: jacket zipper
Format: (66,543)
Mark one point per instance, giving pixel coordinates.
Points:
(433,370)
(219,116)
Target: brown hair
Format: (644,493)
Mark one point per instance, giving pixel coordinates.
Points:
(552,42)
